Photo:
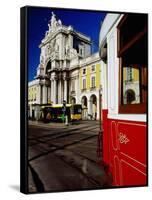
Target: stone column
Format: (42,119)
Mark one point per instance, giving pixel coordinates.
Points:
(89,108)
(31,111)
(77,90)
(65,89)
(55,91)
(70,38)
(44,99)
(39,95)
(60,100)
(52,91)
(49,94)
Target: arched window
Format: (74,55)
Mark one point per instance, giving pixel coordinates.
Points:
(130,96)
(84,101)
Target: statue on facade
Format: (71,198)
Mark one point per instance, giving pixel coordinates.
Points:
(53,23)
(59,22)
(67,50)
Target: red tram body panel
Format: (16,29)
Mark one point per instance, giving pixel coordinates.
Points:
(124,148)
(124,97)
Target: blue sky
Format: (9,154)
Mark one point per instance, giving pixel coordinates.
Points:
(87,22)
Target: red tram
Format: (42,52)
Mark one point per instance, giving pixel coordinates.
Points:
(124,53)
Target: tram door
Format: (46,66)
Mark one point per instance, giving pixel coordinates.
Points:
(127,152)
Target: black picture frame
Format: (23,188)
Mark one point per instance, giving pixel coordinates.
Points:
(24,109)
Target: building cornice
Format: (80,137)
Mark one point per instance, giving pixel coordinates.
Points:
(90,60)
(64,30)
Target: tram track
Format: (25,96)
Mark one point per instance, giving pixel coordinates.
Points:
(56,147)
(70,148)
(90,171)
(59,135)
(77,162)
(79,167)
(94,172)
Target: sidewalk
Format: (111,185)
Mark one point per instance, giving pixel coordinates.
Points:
(46,125)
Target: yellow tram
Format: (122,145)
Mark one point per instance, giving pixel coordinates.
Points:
(56,112)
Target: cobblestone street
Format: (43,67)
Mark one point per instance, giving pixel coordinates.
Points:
(64,157)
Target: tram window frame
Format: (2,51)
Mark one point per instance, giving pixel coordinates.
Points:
(123,49)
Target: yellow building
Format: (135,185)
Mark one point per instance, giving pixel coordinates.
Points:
(84,88)
(33,93)
(90,86)
(131,87)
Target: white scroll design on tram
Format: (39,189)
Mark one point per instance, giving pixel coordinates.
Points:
(123,138)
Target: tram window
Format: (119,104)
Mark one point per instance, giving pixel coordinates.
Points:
(131,85)
(77,109)
(133,56)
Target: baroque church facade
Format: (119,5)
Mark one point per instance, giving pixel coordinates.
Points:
(59,71)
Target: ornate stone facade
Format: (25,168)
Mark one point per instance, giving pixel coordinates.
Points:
(61,50)
(64,52)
